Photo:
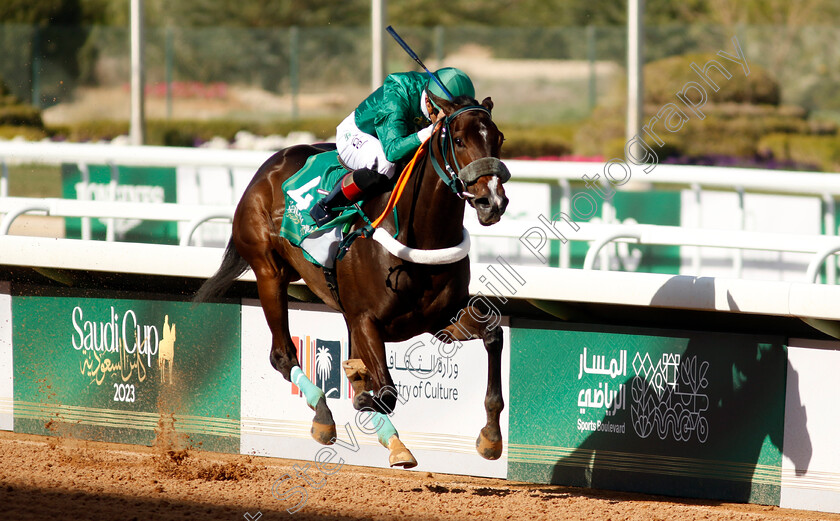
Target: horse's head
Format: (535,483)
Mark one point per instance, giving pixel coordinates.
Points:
(471,143)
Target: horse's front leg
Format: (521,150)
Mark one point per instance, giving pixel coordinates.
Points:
(474,323)
(374,390)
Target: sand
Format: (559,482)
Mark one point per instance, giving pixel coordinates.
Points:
(52,478)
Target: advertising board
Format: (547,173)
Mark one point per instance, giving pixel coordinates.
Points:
(693,414)
(811,463)
(439,420)
(136,185)
(6,374)
(628,208)
(127,370)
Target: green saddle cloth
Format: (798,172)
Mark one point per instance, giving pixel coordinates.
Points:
(321,172)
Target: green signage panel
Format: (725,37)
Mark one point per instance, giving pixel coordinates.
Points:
(665,412)
(128,371)
(646,207)
(134,184)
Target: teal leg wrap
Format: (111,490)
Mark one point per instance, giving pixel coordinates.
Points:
(311,392)
(386,430)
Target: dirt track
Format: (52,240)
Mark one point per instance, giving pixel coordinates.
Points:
(55,479)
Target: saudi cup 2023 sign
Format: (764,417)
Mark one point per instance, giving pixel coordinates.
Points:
(118,369)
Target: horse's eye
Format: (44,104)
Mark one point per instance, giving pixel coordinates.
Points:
(459,142)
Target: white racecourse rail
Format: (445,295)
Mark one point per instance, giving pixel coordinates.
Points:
(545,283)
(824,187)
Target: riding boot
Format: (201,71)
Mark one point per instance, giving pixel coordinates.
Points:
(353,187)
(323,211)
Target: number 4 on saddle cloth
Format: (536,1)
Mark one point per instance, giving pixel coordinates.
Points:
(302,190)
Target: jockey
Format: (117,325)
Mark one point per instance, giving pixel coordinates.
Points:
(386,128)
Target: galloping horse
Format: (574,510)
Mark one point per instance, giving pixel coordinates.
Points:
(383,298)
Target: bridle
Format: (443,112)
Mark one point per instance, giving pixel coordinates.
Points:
(450,172)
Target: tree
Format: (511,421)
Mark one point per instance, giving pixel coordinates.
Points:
(258,13)
(773,12)
(41,12)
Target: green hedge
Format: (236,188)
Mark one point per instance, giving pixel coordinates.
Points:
(21,116)
(664,78)
(17,115)
(520,140)
(27,133)
(820,150)
(537,140)
(728,129)
(189,132)
(736,117)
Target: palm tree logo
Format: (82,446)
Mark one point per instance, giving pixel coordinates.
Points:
(323,365)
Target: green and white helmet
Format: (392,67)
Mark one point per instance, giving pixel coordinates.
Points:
(456,82)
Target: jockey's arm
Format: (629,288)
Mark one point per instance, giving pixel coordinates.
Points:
(395,128)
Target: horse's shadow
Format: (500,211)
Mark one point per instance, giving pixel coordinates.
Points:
(714,429)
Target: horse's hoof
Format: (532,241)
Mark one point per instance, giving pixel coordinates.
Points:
(323,426)
(363,401)
(323,433)
(487,448)
(368,402)
(400,455)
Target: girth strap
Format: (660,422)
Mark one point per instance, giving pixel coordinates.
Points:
(332,284)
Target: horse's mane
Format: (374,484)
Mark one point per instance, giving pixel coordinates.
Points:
(460,102)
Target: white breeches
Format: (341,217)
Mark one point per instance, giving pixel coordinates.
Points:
(358,149)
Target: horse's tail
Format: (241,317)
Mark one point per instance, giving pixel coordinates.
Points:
(233,265)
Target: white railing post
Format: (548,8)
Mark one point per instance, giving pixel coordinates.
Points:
(232,181)
(4,179)
(606,254)
(85,225)
(738,256)
(696,259)
(110,232)
(137,124)
(566,208)
(830,223)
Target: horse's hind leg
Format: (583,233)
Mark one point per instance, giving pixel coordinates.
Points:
(273,277)
(471,323)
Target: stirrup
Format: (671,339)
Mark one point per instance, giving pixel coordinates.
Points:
(321,214)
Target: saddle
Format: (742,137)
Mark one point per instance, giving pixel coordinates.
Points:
(311,183)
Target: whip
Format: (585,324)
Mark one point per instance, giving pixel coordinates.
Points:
(416,58)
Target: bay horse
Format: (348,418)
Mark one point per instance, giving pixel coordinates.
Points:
(383,298)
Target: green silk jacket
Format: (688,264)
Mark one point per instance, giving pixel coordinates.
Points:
(393,114)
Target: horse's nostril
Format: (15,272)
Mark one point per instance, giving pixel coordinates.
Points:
(482,201)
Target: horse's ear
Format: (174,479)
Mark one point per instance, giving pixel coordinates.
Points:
(487,104)
(443,103)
